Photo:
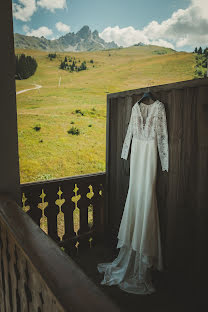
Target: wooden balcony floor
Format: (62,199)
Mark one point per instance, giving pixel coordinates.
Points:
(162,300)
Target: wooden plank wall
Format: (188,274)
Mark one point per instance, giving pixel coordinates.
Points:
(182,193)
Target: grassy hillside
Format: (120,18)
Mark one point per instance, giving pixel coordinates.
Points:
(53,153)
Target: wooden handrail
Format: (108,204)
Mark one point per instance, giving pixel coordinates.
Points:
(70,210)
(36,273)
(159,88)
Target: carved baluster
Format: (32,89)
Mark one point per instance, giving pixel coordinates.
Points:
(42,299)
(76,213)
(84,227)
(25,208)
(98,207)
(90,194)
(68,210)
(32,196)
(22,282)
(43,219)
(37,297)
(50,303)
(33,288)
(17,277)
(101,203)
(52,211)
(9,277)
(90,216)
(12,275)
(28,290)
(5,270)
(60,218)
(5,266)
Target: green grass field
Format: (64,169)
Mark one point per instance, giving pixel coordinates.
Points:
(53,153)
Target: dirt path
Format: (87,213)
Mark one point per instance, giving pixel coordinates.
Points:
(36,87)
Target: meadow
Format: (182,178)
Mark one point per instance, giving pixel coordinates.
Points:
(80,101)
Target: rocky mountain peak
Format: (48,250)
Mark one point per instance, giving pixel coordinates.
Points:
(84,32)
(83,40)
(95,34)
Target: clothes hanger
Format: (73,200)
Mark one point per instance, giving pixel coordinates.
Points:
(147,94)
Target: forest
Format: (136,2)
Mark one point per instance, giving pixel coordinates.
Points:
(25,66)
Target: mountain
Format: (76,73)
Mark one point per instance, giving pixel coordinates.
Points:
(83,40)
(140,44)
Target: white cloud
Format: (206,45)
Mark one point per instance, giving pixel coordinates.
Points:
(123,36)
(24,9)
(184,27)
(25,28)
(162,43)
(52,4)
(129,35)
(62,27)
(203,5)
(42,31)
(188,27)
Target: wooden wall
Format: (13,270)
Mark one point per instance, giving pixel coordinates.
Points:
(36,275)
(182,193)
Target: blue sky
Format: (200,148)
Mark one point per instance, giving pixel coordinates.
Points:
(179,24)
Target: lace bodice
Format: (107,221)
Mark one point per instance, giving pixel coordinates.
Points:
(148,122)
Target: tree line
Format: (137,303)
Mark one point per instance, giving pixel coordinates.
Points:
(201,51)
(201,62)
(25,66)
(52,55)
(71,65)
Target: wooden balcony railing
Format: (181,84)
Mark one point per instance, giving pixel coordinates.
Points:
(36,275)
(69,210)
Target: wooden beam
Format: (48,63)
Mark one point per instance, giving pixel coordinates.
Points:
(9,159)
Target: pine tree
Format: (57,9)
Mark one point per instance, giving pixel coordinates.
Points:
(195,50)
(200,50)
(52,55)
(83,66)
(206,52)
(73,66)
(62,65)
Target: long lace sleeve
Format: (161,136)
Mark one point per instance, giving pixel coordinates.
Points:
(162,137)
(127,140)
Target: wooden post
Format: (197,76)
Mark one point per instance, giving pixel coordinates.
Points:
(9,160)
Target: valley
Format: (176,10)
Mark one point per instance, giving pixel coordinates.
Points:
(78,99)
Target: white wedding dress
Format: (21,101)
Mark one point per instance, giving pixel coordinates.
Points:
(139,232)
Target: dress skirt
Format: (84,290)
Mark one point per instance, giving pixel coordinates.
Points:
(139,231)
